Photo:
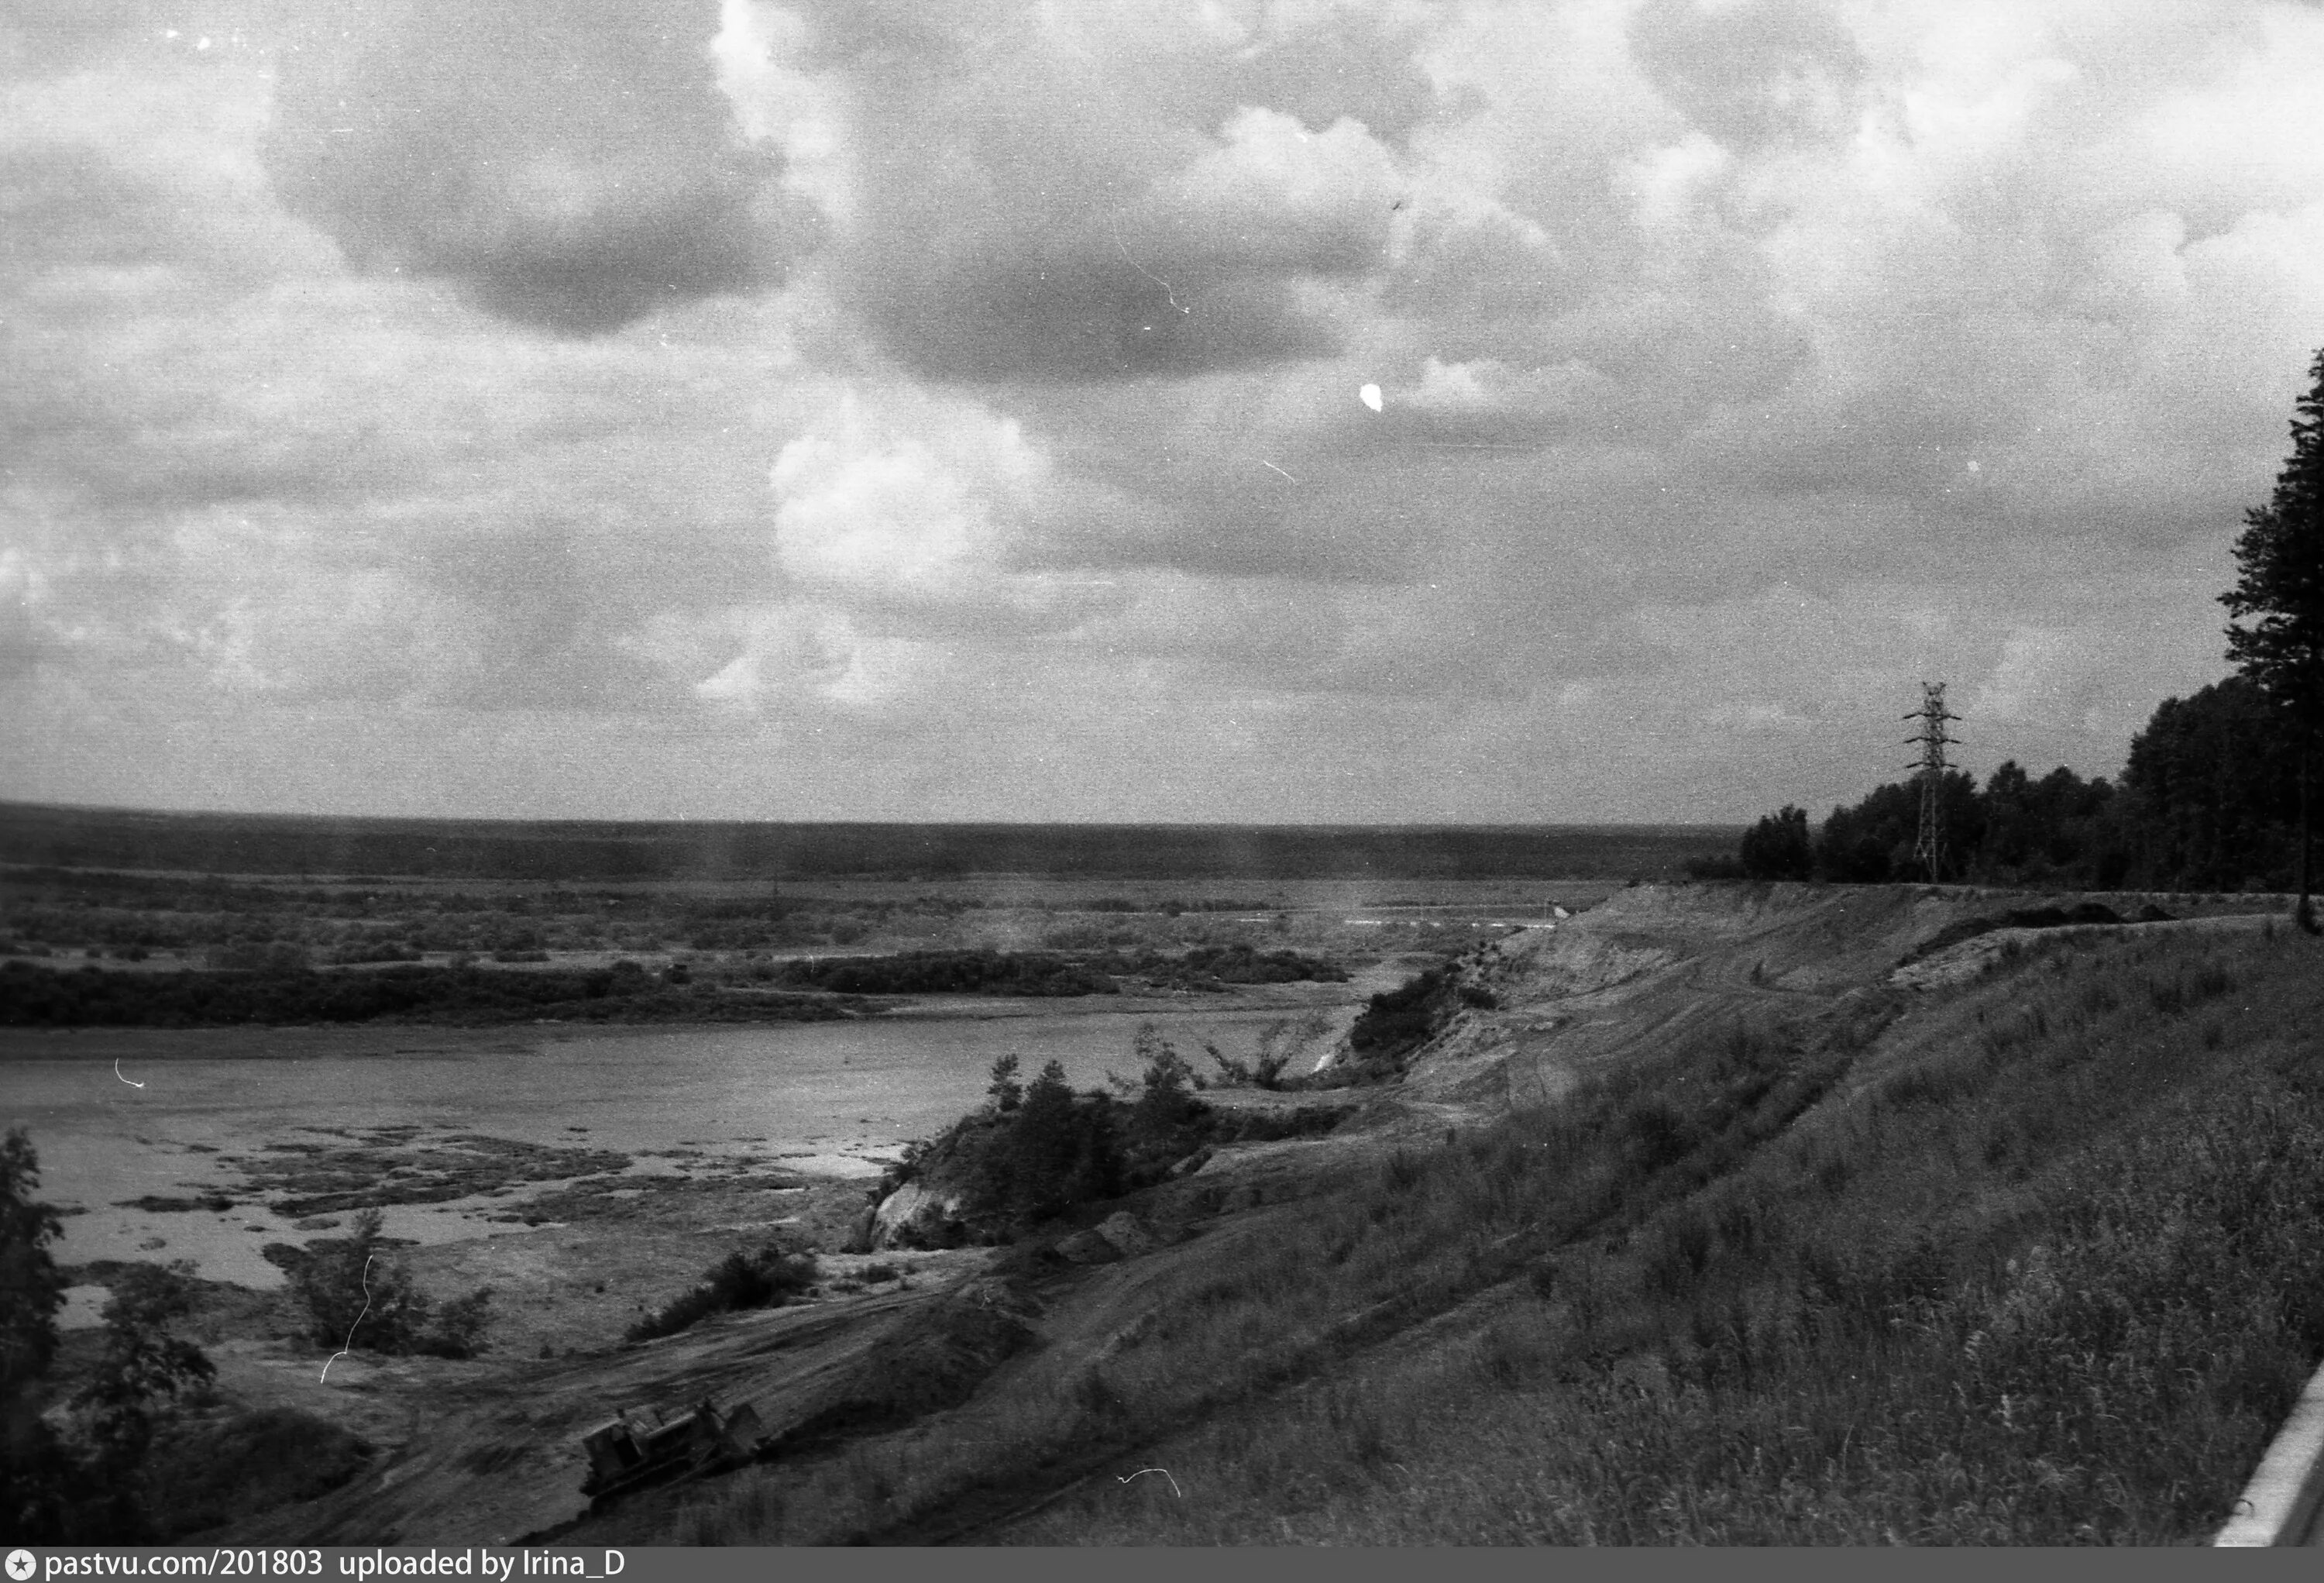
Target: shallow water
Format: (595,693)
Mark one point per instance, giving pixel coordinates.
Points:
(829,1098)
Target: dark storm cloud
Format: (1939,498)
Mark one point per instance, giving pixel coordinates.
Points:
(571,165)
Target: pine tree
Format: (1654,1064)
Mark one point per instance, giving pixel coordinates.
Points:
(1042,1146)
(1005,1091)
(2277,636)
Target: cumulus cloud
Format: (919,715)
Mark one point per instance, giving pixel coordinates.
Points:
(1486,401)
(782,656)
(1043,194)
(986,415)
(922,509)
(1753,73)
(568,165)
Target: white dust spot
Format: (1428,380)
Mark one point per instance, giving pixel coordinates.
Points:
(1370,396)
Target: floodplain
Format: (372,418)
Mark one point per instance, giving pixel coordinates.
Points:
(1569,1211)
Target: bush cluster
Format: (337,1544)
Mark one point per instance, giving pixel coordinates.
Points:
(1053,973)
(1398,1022)
(974,972)
(1039,1150)
(768,1278)
(1048,1152)
(356,1296)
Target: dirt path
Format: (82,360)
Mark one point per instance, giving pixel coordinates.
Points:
(491,1454)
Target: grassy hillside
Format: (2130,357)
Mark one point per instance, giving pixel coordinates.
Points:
(2030,1260)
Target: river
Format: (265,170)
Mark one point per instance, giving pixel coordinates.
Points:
(120,1114)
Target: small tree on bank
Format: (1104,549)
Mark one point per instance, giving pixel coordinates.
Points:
(1005,1091)
(357,1296)
(146,1365)
(2276,636)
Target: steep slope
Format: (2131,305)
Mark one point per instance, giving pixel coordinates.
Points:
(1655,964)
(1696,1112)
(2032,1263)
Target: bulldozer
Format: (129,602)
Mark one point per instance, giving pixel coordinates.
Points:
(643,1447)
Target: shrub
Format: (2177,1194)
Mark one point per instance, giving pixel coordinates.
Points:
(1166,1107)
(460,1325)
(767,1279)
(1276,1042)
(1398,1022)
(145,1363)
(249,956)
(357,1297)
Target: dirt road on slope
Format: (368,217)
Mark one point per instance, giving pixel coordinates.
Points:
(1656,965)
(494,1454)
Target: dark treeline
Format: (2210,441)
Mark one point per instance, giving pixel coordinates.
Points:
(1031,973)
(249,844)
(289,992)
(1044,973)
(2208,800)
(43,998)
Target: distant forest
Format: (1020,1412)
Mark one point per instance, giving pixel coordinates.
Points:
(537,851)
(2208,801)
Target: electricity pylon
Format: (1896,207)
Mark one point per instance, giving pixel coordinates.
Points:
(1929,850)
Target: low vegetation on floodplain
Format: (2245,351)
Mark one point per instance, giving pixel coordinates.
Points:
(1044,973)
(34,995)
(2033,1265)
(165,951)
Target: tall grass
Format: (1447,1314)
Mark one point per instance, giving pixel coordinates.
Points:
(2034,1265)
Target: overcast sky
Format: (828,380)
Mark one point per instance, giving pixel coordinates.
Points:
(860,409)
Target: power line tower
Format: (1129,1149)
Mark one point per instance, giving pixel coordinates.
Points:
(1929,850)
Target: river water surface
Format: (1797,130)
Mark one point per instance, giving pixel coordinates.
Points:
(822,1097)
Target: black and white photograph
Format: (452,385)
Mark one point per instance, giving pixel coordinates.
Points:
(1391,773)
